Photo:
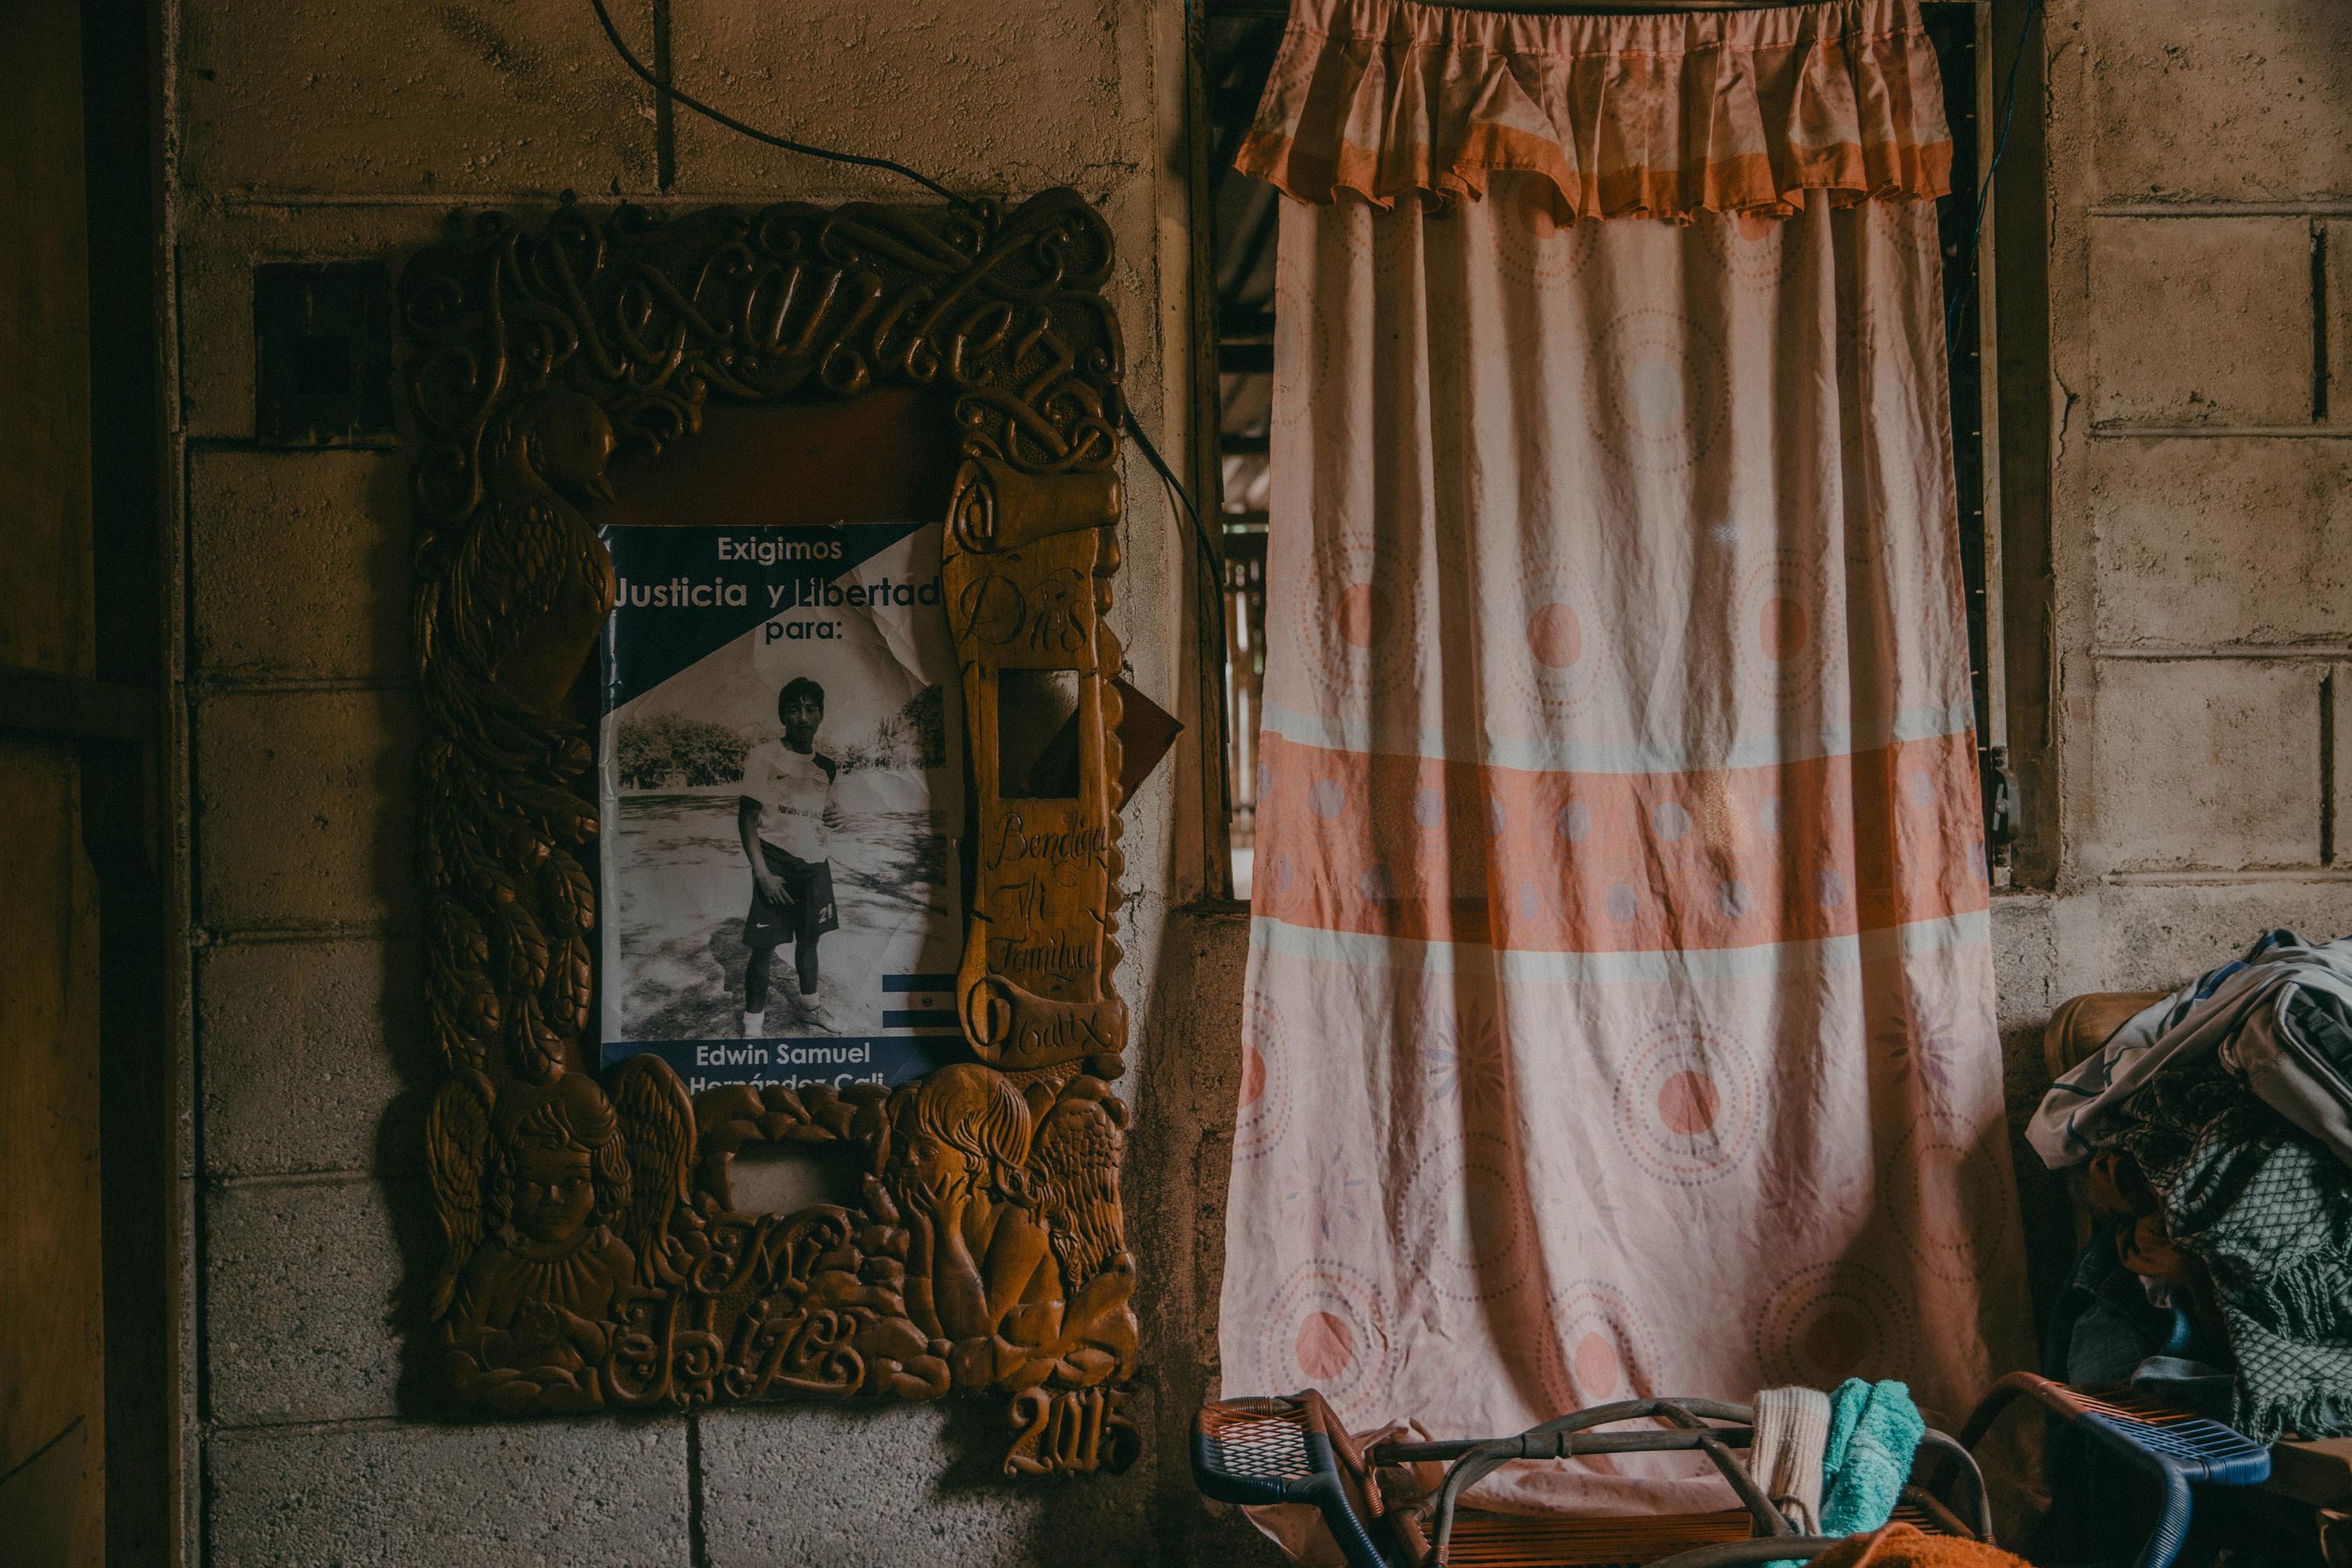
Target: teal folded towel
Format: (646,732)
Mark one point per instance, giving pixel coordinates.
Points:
(1875,1430)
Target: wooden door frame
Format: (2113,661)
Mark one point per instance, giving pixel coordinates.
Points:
(123,726)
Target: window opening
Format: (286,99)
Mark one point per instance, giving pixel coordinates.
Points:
(1243,214)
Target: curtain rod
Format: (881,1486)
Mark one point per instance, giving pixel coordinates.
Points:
(1239,9)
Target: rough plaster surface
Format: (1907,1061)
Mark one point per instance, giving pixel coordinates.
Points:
(599,1493)
(2337,696)
(807,1486)
(2249,100)
(2213,763)
(299,568)
(2191,801)
(2155,937)
(2202,544)
(304,1042)
(347,97)
(2201,321)
(305,805)
(2336,254)
(1002,96)
(299,1280)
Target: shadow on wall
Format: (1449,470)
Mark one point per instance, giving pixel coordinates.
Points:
(1180,1160)
(399,1159)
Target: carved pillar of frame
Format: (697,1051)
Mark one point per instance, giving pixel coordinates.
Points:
(594,1256)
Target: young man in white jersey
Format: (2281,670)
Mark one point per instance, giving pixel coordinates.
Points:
(785,819)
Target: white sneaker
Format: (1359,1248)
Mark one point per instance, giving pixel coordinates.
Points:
(755,1026)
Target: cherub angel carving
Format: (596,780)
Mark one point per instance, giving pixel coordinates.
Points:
(556,1202)
(1015,1255)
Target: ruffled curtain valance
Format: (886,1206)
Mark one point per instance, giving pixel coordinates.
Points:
(1652,116)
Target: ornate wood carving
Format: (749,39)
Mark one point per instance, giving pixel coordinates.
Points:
(596,1257)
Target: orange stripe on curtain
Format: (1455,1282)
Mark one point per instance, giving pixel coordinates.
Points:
(1431,850)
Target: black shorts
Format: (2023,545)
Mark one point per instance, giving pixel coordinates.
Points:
(806,911)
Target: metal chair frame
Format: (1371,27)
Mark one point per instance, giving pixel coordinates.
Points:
(1289,1450)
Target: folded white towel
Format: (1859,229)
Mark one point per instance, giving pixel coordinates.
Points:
(1792,1427)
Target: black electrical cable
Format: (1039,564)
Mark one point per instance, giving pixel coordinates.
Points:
(1211,570)
(1212,583)
(668,91)
(1956,307)
(1208,559)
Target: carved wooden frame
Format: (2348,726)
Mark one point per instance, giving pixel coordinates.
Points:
(595,1258)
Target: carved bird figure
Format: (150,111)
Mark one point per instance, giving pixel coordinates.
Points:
(532,585)
(505,626)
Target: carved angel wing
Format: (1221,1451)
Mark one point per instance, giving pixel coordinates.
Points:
(458,1154)
(658,1124)
(1073,1165)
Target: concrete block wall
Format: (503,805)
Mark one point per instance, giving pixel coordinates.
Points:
(352,130)
(2199,167)
(2199,159)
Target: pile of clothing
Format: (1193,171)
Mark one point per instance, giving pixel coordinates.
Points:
(1906,1546)
(2215,1132)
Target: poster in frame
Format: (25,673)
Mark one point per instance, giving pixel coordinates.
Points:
(593,1254)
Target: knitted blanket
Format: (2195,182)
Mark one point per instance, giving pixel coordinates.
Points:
(2268,1214)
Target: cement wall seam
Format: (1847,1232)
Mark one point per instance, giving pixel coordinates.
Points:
(2318,206)
(2119,430)
(2251,653)
(255,932)
(2249,876)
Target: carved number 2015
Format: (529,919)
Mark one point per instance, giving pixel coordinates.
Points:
(1074,1431)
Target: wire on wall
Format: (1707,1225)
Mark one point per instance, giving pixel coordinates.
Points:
(661,84)
(1212,563)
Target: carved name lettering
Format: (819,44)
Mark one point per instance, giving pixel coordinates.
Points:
(1008,956)
(1061,851)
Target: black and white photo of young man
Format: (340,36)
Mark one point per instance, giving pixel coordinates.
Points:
(786,818)
(779,795)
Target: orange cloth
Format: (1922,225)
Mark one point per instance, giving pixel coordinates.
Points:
(1662,116)
(1907,1546)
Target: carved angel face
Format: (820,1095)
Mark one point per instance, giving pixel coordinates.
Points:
(554,1191)
(936,1166)
(961,1130)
